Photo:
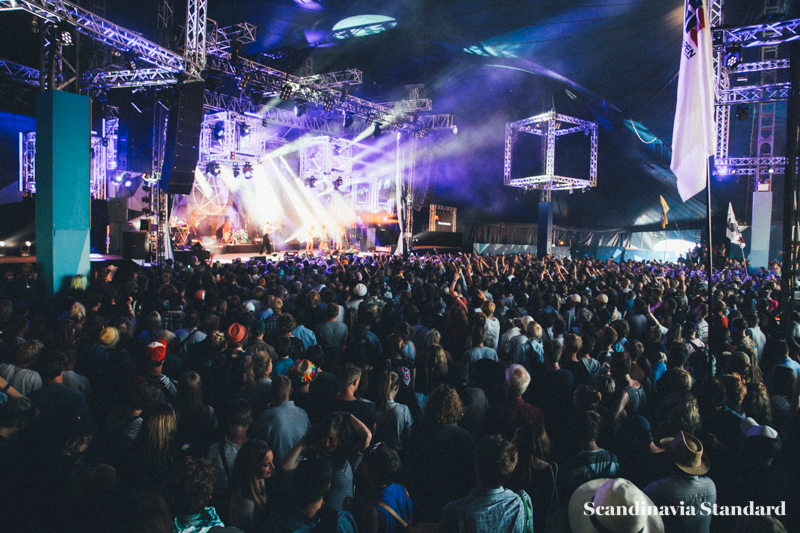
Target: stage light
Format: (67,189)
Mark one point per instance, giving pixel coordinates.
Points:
(213,168)
(299,108)
(742,112)
(248,171)
(245,81)
(286,92)
(455,130)
(2,248)
(128,183)
(343,95)
(338,182)
(132,63)
(370,119)
(376,130)
(118,178)
(328,105)
(733,57)
(219,130)
(64,33)
(771,170)
(348,120)
(244,129)
(311,182)
(235,171)
(25,251)
(146,188)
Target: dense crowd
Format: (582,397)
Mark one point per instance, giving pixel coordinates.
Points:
(369,394)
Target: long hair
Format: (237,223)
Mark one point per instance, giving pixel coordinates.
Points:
(189,400)
(244,481)
(259,365)
(154,324)
(156,440)
(387,382)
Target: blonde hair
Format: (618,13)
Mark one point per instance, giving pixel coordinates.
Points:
(77,312)
(78,282)
(387,382)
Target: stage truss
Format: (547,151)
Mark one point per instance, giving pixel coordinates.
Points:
(232,138)
(433,219)
(549,126)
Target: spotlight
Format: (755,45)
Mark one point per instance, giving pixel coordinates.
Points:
(118,178)
(235,171)
(455,130)
(219,130)
(328,105)
(132,63)
(370,119)
(244,129)
(771,170)
(128,183)
(146,188)
(310,182)
(733,58)
(286,92)
(213,168)
(248,171)
(742,112)
(343,95)
(27,243)
(64,33)
(376,131)
(25,251)
(348,120)
(244,82)
(299,108)
(2,248)
(338,182)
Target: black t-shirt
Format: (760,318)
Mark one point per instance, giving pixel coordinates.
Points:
(364,411)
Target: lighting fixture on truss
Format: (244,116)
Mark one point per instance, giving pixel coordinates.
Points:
(219,130)
(299,108)
(348,120)
(370,119)
(328,105)
(248,171)
(310,182)
(286,92)
(742,112)
(213,168)
(376,131)
(236,171)
(244,129)
(338,182)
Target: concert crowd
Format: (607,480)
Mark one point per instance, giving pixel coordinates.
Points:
(383,393)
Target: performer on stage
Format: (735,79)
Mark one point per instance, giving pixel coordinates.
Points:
(341,238)
(312,233)
(227,231)
(324,238)
(266,245)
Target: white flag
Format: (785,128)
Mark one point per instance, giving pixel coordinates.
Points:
(694,133)
(733,232)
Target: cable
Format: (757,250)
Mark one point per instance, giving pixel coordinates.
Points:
(654,139)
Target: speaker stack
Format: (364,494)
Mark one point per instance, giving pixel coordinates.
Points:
(183,139)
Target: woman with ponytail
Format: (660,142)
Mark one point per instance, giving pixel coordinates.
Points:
(258,386)
(393,419)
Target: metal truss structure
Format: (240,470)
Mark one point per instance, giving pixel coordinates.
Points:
(434,213)
(244,106)
(549,125)
(221,39)
(101,30)
(273,82)
(21,73)
(326,158)
(764,96)
(27,163)
(104,157)
(336,80)
(241,139)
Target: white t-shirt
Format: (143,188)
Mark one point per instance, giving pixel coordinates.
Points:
(23,379)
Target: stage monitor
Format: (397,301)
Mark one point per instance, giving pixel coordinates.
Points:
(442,218)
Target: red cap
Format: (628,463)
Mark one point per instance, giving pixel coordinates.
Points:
(236,333)
(156,351)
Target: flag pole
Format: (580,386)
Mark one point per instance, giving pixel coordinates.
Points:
(710,248)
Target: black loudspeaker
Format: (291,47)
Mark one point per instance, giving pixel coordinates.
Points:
(99,230)
(134,245)
(183,139)
(117,210)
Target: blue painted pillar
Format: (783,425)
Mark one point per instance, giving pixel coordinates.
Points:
(63,158)
(544,237)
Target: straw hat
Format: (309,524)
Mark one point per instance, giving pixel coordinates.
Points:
(687,452)
(109,337)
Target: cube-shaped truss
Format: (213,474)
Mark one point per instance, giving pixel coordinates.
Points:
(551,125)
(326,158)
(228,137)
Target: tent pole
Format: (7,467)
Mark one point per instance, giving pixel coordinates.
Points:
(710,245)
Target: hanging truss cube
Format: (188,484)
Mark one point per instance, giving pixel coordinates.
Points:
(27,163)
(326,158)
(242,138)
(549,126)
